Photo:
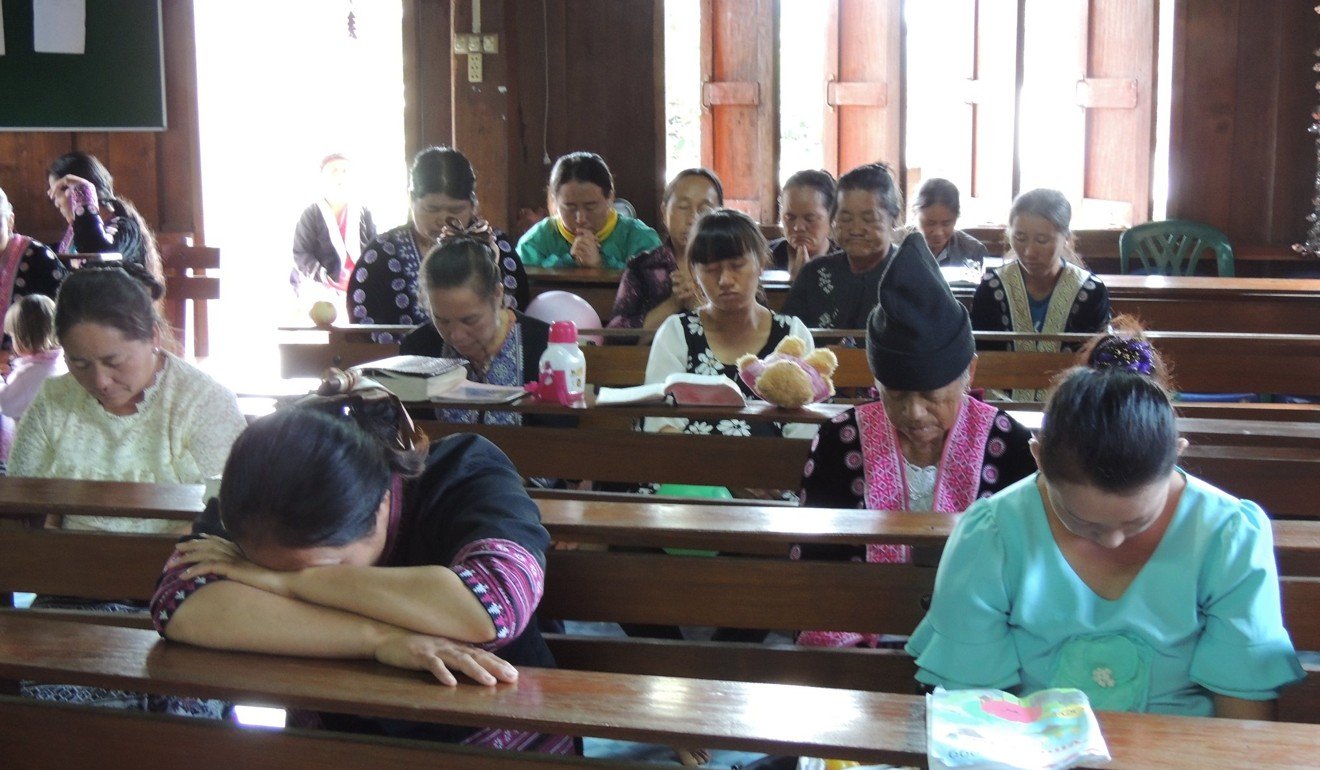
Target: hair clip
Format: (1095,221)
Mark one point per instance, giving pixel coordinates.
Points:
(1122,353)
(478,229)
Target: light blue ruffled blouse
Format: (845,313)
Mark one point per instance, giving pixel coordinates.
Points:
(1201,617)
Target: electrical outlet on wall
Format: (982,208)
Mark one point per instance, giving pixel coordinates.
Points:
(474,67)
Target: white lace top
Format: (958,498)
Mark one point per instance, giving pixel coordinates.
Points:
(921,486)
(181,433)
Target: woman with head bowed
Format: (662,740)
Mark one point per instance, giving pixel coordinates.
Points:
(127,410)
(725,254)
(100,221)
(586,230)
(383,288)
(658,283)
(1112,570)
(928,444)
(837,291)
(938,207)
(469,319)
(337,534)
(1043,289)
(804,206)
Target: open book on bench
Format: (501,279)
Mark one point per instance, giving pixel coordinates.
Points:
(423,378)
(680,389)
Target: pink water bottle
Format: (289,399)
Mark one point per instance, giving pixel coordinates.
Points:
(563,367)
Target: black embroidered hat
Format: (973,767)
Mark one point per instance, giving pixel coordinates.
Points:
(919,336)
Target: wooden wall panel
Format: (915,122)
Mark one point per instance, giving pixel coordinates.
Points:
(158,170)
(599,60)
(481,110)
(427,65)
(1240,157)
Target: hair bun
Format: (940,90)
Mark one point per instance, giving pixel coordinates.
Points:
(1123,353)
(478,230)
(153,286)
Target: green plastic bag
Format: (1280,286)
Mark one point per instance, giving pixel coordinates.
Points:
(693,490)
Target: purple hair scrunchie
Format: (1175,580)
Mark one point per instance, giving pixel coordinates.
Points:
(1126,354)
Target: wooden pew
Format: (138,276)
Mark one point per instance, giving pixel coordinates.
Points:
(783,719)
(1285,480)
(1205,363)
(1191,303)
(632,587)
(48,735)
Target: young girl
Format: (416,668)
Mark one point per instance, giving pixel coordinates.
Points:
(1112,570)
(726,254)
(30,323)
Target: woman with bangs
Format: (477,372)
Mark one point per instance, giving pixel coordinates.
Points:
(726,254)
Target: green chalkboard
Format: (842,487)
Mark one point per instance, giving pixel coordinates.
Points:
(117,85)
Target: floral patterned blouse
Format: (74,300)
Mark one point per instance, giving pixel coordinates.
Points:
(681,346)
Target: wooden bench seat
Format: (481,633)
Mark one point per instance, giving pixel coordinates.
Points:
(1204,363)
(1285,480)
(774,718)
(47,735)
(617,586)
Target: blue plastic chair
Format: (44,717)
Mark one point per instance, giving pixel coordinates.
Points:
(1173,247)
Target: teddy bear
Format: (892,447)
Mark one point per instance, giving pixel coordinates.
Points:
(787,378)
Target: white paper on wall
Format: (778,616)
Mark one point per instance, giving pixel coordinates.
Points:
(59,26)
(2,30)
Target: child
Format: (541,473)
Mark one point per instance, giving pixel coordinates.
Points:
(1112,570)
(30,323)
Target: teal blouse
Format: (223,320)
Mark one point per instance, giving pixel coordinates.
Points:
(1201,617)
(543,246)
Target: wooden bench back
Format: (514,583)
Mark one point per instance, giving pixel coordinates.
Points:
(727,591)
(187,280)
(606,454)
(1227,363)
(626,587)
(39,734)
(1284,480)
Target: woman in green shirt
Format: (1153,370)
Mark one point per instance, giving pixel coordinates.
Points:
(585,231)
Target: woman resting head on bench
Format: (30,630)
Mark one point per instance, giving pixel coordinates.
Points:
(337,535)
(1112,570)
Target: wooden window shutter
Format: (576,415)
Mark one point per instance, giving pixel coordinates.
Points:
(864,65)
(1118,93)
(740,102)
(992,92)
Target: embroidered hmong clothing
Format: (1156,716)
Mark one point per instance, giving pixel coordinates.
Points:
(468,511)
(28,266)
(385,286)
(856,462)
(827,294)
(646,282)
(506,368)
(1079,304)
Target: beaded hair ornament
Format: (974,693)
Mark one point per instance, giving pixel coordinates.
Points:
(1123,353)
(478,230)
